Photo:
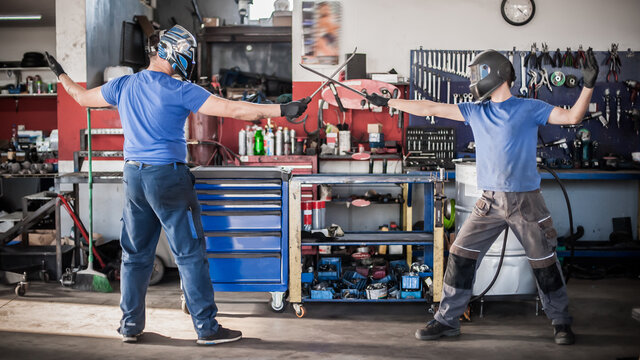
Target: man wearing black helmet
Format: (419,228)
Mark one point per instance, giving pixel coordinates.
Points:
(158,186)
(505,131)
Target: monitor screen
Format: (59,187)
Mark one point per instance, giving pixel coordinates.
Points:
(132,45)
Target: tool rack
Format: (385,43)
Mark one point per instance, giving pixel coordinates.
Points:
(432,236)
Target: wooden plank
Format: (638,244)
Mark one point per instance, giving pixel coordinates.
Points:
(407,218)
(438,254)
(295,238)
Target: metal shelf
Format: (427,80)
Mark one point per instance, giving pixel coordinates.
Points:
(26,68)
(375,238)
(364,300)
(28,95)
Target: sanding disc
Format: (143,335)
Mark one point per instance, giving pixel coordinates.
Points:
(557,78)
(361,156)
(571,81)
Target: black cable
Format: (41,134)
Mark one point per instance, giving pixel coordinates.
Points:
(495,277)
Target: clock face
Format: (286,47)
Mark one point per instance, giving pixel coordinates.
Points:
(518,12)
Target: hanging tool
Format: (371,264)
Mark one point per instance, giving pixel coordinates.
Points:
(633,87)
(614,62)
(545,58)
(618,107)
(333,74)
(634,115)
(544,81)
(533,84)
(567,58)
(607,107)
(531,60)
(581,58)
(523,74)
(332,87)
(557,78)
(571,81)
(448,91)
(333,81)
(556,60)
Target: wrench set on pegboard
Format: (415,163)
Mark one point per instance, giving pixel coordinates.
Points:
(611,126)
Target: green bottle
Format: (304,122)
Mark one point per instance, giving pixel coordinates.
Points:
(259,143)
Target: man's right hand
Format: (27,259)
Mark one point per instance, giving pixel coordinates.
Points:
(54,65)
(378,100)
(590,70)
(293,109)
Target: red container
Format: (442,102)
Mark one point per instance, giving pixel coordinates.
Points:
(307,215)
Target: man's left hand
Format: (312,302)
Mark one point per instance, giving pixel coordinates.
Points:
(590,70)
(293,109)
(54,65)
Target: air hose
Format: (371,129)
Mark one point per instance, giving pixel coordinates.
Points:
(571,240)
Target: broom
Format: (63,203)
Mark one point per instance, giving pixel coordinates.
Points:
(89,279)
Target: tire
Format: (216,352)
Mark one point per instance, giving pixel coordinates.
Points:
(20,290)
(158,271)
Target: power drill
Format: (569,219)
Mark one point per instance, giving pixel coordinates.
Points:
(633,87)
(634,114)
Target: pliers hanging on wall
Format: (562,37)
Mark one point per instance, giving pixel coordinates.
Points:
(581,58)
(531,60)
(614,62)
(557,58)
(545,58)
(567,59)
(533,84)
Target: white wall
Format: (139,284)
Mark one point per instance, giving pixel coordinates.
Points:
(387,30)
(18,40)
(71,39)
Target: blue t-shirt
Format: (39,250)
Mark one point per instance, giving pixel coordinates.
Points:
(153,107)
(506,135)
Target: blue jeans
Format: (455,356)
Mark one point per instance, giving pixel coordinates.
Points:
(162,196)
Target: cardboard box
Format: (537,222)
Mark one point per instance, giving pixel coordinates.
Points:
(385,77)
(374,128)
(211,21)
(282,18)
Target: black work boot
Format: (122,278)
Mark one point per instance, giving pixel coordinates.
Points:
(564,335)
(435,330)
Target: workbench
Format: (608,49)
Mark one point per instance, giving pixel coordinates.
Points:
(434,238)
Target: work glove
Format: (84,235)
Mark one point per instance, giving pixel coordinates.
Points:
(293,109)
(378,100)
(590,70)
(54,65)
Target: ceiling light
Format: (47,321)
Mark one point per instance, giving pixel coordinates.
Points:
(20,17)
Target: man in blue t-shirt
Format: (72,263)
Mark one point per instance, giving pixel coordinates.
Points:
(505,130)
(159,188)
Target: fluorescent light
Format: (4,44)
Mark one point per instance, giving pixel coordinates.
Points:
(20,17)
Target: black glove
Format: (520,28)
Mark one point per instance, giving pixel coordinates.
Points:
(590,70)
(293,109)
(378,100)
(54,65)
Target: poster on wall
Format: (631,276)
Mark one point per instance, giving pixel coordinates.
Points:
(321,21)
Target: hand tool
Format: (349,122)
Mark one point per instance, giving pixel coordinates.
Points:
(567,58)
(438,82)
(607,107)
(557,78)
(510,54)
(571,81)
(614,62)
(448,91)
(332,75)
(429,62)
(455,98)
(523,75)
(545,79)
(618,107)
(333,81)
(532,59)
(633,87)
(393,111)
(334,91)
(533,84)
(556,60)
(458,63)
(545,58)
(581,58)
(429,84)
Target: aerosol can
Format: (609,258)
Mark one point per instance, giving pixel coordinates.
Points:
(293,141)
(279,141)
(287,141)
(270,143)
(242,142)
(250,140)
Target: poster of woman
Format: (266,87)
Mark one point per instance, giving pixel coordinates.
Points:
(321,29)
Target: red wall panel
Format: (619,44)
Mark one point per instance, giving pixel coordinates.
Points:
(34,113)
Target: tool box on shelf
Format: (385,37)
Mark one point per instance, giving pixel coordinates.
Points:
(331,266)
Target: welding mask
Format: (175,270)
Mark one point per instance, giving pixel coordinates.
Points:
(178,46)
(487,72)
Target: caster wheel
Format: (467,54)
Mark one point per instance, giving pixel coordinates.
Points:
(20,290)
(44,276)
(299,309)
(277,302)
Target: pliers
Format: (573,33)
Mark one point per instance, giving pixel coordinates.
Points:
(614,62)
(545,58)
(544,75)
(533,84)
(556,61)
(581,58)
(567,59)
(532,59)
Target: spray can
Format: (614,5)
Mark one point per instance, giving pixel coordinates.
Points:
(259,142)
(242,142)
(287,141)
(271,144)
(250,140)
(279,141)
(293,141)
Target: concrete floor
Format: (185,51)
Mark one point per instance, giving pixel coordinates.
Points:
(56,323)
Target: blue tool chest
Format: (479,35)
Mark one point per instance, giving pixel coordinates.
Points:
(245,218)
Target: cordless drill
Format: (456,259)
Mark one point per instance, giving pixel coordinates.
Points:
(634,114)
(633,87)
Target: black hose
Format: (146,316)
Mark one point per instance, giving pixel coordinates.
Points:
(495,277)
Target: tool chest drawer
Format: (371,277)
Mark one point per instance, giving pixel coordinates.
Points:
(241,220)
(259,268)
(243,241)
(240,205)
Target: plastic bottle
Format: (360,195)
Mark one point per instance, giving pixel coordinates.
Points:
(293,141)
(271,144)
(242,142)
(287,141)
(279,141)
(258,142)
(250,140)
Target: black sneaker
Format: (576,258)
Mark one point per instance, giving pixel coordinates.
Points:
(131,338)
(435,330)
(564,335)
(222,336)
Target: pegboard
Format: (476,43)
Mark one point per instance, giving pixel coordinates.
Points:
(613,139)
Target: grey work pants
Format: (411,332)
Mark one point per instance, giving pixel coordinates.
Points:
(526,214)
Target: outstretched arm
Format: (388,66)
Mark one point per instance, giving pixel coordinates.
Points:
(419,107)
(573,116)
(242,110)
(84,97)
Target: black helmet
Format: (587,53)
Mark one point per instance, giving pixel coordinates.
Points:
(487,72)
